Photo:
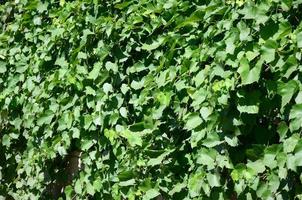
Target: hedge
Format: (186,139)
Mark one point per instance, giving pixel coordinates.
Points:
(152,99)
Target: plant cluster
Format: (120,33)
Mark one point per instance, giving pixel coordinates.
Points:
(177,99)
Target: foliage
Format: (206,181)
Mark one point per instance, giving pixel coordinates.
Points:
(187,99)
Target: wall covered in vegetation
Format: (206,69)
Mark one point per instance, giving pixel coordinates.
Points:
(141,99)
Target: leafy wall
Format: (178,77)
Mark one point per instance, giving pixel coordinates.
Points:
(183,99)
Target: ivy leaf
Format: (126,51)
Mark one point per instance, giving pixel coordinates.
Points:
(95,71)
(136,85)
(256,166)
(154,45)
(90,91)
(6,140)
(87,121)
(299,40)
(78,187)
(61,62)
(111,135)
(256,12)
(230,46)
(290,143)
(248,75)
(134,139)
(286,4)
(111,66)
(87,144)
(46,118)
(206,112)
(158,160)
(212,140)
(268,51)
(295,116)
(97,185)
(213,179)
(282,130)
(127,183)
(90,188)
(107,87)
(123,112)
(251,109)
(177,188)
(150,194)
(2,67)
(82,55)
(286,91)
(195,183)
(193,121)
(244,31)
(42,7)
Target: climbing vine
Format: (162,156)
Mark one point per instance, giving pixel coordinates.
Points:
(170,99)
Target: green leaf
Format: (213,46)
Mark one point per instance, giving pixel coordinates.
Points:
(95,71)
(299,40)
(158,160)
(45,118)
(213,179)
(164,98)
(6,140)
(251,109)
(244,31)
(107,88)
(111,135)
(195,183)
(151,194)
(123,112)
(111,66)
(196,136)
(42,7)
(90,91)
(257,166)
(268,51)
(282,130)
(124,88)
(295,116)
(256,12)
(231,141)
(193,121)
(286,4)
(78,187)
(206,112)
(133,138)
(61,62)
(82,55)
(90,188)
(37,20)
(127,183)
(200,77)
(286,91)
(87,121)
(248,75)
(230,46)
(206,157)
(177,188)
(87,144)
(251,55)
(2,67)
(154,45)
(136,85)
(97,184)
(290,143)
(212,140)
(68,192)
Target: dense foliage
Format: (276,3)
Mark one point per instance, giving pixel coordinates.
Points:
(180,99)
